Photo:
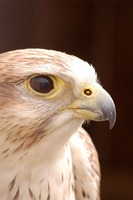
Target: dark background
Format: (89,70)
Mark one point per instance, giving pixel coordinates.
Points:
(100,32)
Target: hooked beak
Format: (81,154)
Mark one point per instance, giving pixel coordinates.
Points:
(95,105)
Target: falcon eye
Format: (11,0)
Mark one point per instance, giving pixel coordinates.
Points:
(41,84)
(44,86)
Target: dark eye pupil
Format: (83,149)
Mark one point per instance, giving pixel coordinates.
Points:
(41,84)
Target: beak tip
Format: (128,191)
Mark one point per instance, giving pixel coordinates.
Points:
(111,126)
(112,119)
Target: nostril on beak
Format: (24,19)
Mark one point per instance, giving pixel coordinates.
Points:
(87,92)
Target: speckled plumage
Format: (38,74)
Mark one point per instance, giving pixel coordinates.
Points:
(44,152)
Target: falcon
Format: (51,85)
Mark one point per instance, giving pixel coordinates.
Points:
(45,154)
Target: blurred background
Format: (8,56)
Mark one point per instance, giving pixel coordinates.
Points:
(100,32)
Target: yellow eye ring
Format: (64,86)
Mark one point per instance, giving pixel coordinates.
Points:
(44,85)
